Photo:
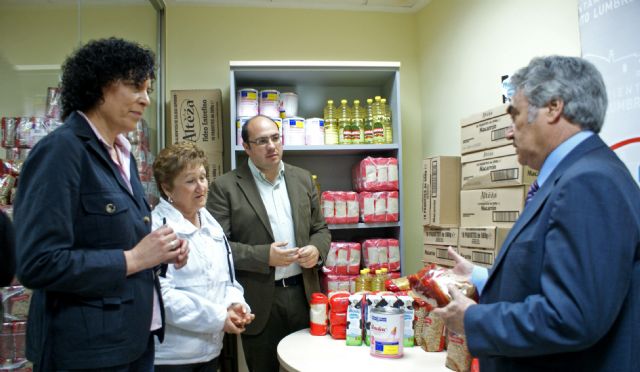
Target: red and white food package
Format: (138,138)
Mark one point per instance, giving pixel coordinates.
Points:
(338,304)
(353,261)
(375,174)
(392,175)
(432,282)
(367,206)
(340,207)
(353,206)
(393,249)
(392,207)
(373,206)
(337,258)
(365,175)
(343,259)
(375,253)
(328,203)
(332,283)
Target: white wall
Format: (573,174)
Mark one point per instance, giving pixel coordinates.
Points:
(467,45)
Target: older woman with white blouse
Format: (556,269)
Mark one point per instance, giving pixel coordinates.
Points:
(202,300)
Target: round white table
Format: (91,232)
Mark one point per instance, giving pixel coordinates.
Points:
(302,352)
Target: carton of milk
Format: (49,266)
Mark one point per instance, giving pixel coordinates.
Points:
(355,324)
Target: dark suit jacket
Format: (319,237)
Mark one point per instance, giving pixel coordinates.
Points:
(74,217)
(7,250)
(234,200)
(564,292)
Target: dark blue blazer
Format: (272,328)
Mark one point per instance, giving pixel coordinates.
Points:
(564,292)
(74,217)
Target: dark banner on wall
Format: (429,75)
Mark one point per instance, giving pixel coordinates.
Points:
(610,38)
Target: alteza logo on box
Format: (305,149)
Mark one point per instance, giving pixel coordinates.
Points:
(189,120)
(488,195)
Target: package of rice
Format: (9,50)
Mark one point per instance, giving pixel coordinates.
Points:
(458,357)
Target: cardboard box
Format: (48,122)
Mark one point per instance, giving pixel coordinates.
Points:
(441,236)
(487,207)
(484,237)
(480,257)
(485,134)
(497,167)
(484,115)
(445,191)
(426,191)
(437,254)
(196,116)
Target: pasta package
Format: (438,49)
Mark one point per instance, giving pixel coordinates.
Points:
(433,281)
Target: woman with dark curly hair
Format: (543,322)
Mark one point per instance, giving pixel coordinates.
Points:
(83,227)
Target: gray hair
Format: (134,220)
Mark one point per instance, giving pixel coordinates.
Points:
(573,80)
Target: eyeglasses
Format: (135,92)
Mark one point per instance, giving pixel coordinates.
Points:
(263,141)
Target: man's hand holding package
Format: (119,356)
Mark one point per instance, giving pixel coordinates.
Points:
(453,313)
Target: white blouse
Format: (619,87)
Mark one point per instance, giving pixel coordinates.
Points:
(196,297)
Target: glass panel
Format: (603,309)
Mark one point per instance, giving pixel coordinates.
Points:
(37,35)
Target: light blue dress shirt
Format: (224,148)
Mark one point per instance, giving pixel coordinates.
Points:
(276,201)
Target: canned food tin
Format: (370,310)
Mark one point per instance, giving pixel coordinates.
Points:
(247,102)
(387,330)
(239,123)
(269,102)
(289,104)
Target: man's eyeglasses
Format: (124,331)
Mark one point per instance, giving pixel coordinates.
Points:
(263,141)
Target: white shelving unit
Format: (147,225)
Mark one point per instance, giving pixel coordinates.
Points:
(315,82)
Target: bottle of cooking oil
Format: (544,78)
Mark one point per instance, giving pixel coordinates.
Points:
(385,277)
(361,281)
(314,179)
(377,283)
(357,123)
(388,126)
(367,280)
(330,124)
(344,123)
(368,123)
(378,121)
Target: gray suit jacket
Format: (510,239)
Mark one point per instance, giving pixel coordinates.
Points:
(234,200)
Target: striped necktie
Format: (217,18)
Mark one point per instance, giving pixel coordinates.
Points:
(532,191)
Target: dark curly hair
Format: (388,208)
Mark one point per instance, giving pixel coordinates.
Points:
(98,64)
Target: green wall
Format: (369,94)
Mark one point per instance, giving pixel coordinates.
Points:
(452,54)
(46,34)
(467,45)
(201,40)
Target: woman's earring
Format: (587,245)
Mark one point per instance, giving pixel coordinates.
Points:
(169,199)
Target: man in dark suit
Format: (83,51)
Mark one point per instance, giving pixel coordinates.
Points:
(271,214)
(7,250)
(564,292)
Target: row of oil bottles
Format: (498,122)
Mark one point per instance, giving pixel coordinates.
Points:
(375,283)
(358,125)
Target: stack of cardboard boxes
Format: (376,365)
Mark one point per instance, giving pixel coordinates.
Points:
(440,207)
(196,116)
(493,185)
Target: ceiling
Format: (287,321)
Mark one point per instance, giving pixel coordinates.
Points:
(402,6)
